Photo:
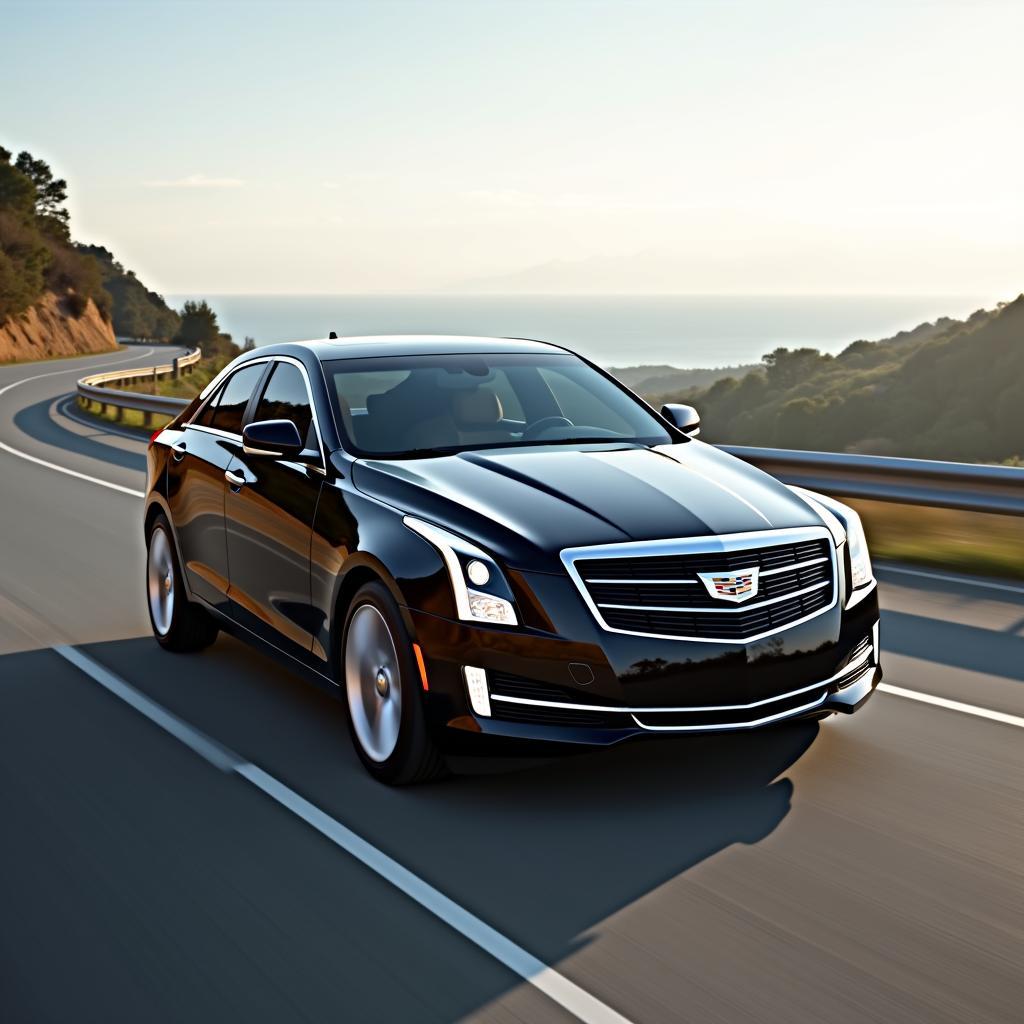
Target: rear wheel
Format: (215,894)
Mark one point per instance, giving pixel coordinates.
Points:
(178,623)
(385,710)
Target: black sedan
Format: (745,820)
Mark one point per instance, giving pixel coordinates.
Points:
(481,542)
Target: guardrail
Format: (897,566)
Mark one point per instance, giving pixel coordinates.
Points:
(959,485)
(97,388)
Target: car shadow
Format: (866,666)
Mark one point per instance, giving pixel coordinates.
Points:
(953,644)
(543,849)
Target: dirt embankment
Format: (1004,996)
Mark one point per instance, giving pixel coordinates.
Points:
(47,330)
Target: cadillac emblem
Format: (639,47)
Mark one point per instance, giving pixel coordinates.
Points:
(731,586)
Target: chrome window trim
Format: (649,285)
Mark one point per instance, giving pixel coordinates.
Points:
(570,706)
(215,431)
(715,544)
(210,389)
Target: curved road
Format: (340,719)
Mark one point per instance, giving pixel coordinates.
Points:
(867,869)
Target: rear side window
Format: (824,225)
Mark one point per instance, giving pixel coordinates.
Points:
(233,398)
(285,398)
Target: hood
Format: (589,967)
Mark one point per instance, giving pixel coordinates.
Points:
(525,505)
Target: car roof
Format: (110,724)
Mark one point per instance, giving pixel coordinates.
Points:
(408,344)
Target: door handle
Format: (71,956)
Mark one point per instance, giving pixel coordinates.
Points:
(234,479)
(178,450)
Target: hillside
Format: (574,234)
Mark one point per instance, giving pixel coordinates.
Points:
(648,380)
(52,300)
(948,390)
(48,329)
(137,312)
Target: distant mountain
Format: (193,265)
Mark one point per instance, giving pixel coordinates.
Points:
(953,389)
(656,380)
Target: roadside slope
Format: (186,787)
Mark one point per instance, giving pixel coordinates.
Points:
(47,329)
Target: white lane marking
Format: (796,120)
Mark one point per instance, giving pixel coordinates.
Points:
(63,469)
(205,747)
(555,986)
(953,705)
(1009,587)
(77,369)
(70,472)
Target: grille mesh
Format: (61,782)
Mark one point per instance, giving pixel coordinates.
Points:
(641,582)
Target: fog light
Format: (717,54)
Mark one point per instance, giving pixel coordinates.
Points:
(476,684)
(478,573)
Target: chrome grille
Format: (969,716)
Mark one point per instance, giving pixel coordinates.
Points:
(652,588)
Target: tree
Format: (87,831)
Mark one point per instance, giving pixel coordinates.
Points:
(51,195)
(24,257)
(199,327)
(786,367)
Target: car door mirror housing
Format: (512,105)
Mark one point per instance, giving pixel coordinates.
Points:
(275,438)
(683,417)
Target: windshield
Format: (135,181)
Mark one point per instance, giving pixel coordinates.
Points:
(421,405)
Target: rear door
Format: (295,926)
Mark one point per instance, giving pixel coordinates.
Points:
(270,509)
(196,486)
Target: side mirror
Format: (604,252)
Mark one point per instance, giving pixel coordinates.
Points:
(683,417)
(275,438)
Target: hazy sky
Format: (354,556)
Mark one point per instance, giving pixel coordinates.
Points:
(664,146)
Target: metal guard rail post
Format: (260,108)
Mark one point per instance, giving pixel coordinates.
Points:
(96,388)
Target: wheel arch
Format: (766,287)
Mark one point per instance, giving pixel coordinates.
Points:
(363,569)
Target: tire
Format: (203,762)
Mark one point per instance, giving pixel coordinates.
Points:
(178,624)
(382,691)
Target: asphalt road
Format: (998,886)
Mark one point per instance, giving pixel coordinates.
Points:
(863,869)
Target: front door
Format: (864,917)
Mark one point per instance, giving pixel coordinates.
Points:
(269,515)
(196,486)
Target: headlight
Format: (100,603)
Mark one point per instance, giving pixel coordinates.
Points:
(856,542)
(482,593)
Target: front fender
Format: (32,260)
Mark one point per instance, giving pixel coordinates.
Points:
(357,538)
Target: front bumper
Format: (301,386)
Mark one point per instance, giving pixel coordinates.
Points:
(539,691)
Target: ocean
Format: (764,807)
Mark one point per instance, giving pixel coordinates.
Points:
(621,330)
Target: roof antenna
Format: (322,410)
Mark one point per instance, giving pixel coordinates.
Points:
(333,336)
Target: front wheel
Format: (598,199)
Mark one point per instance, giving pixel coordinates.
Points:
(385,710)
(178,623)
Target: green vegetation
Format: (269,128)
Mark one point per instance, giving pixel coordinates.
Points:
(199,328)
(660,380)
(950,390)
(137,312)
(35,253)
(969,542)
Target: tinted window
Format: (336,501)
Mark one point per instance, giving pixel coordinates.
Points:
(414,404)
(285,398)
(234,397)
(205,418)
